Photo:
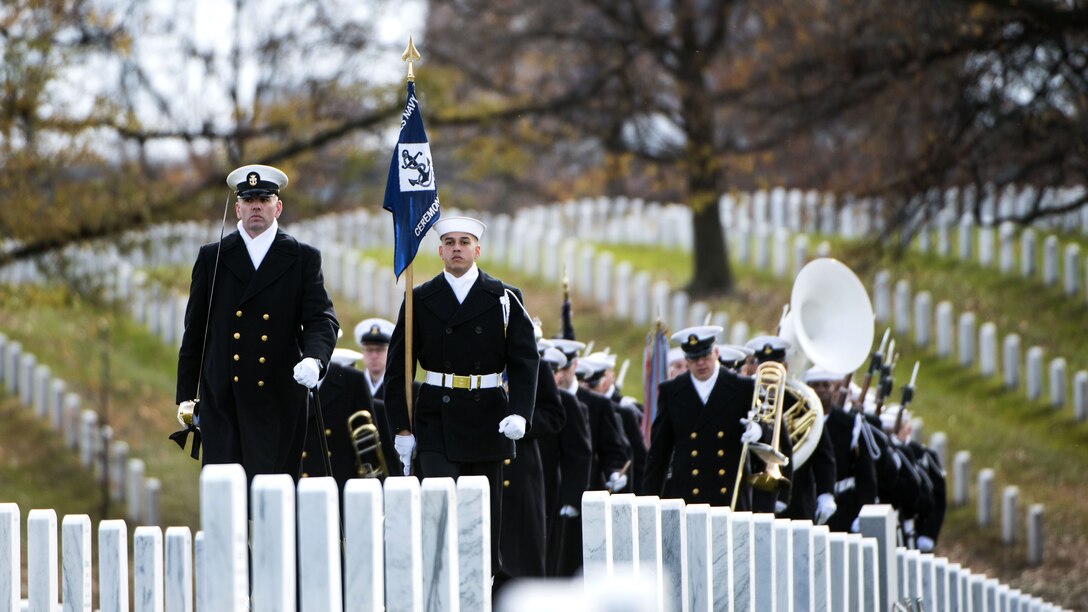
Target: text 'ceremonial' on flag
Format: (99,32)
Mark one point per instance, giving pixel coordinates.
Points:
(411,192)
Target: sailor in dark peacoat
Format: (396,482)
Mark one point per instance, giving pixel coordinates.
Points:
(263,322)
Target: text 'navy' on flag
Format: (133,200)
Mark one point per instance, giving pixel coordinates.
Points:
(411,193)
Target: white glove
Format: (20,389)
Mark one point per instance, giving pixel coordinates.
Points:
(307,372)
(185,413)
(780,506)
(825,507)
(752,432)
(568,511)
(513,426)
(925,544)
(855,527)
(406,447)
(616,482)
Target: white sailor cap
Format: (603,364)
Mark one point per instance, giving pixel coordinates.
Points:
(374,331)
(345,357)
(555,357)
(675,354)
(697,341)
(769,348)
(543,344)
(731,356)
(889,415)
(256,180)
(468,225)
(600,360)
(570,348)
(818,374)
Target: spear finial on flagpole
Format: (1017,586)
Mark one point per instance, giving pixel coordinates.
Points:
(410,55)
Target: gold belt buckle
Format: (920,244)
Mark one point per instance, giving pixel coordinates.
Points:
(462,382)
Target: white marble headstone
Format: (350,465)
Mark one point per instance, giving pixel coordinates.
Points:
(274,542)
(113,565)
(966,339)
(674,552)
(648,521)
(178,579)
(1010,360)
(76,562)
(43,591)
(226,532)
(987,349)
(403,544)
(985,497)
(364,576)
(147,569)
(439,516)
(700,579)
(879,521)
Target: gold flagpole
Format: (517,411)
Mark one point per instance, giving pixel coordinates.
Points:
(410,55)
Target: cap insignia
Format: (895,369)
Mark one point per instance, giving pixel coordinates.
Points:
(767,350)
(693,339)
(374,329)
(253,178)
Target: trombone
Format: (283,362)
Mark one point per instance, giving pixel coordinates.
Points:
(766,406)
(369,458)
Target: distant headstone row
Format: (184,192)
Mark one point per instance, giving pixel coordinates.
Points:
(53,403)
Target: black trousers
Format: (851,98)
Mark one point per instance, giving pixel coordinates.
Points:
(436,465)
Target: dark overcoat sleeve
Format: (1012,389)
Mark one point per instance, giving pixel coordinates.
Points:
(522,360)
(396,407)
(662,441)
(196,317)
(319,324)
(548,414)
(575,453)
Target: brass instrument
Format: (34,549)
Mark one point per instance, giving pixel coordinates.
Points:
(830,323)
(767,400)
(369,458)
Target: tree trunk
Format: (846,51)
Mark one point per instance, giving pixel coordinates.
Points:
(711,271)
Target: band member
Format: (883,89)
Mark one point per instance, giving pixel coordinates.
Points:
(698,430)
(524,498)
(611,451)
(627,409)
(567,457)
(930,472)
(468,329)
(854,468)
(343,392)
(764,349)
(250,353)
(372,336)
(677,364)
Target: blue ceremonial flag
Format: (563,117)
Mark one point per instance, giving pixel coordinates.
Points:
(411,193)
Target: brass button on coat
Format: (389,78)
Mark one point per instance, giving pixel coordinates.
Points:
(260,383)
(694,435)
(721,434)
(694,453)
(721,453)
(506,462)
(264,338)
(261,360)
(328,432)
(238,313)
(237,335)
(506,483)
(695,472)
(236,357)
(235,379)
(695,491)
(721,472)
(265,316)
(723,490)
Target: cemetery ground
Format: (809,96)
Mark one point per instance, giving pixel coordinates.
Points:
(1041,450)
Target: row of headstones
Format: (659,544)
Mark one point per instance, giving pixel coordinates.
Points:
(705,558)
(976,244)
(940,329)
(48,396)
(409,546)
(1010,501)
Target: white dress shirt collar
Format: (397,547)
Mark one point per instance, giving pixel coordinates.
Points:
(374,385)
(462,285)
(573,387)
(704,387)
(258,247)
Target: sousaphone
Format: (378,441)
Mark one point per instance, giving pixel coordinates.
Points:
(829,322)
